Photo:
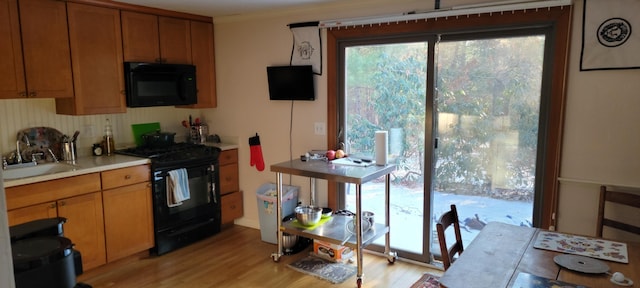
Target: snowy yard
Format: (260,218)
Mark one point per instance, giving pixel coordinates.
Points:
(407,212)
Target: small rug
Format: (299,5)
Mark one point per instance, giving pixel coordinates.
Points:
(330,271)
(427,281)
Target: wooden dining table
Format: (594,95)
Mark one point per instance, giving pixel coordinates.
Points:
(501,252)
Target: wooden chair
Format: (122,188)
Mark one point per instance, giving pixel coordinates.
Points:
(622,198)
(446,220)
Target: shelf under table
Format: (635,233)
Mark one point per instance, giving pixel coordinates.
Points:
(335,231)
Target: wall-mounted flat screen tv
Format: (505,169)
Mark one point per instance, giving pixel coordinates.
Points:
(291,83)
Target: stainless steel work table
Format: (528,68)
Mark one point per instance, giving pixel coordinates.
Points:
(334,230)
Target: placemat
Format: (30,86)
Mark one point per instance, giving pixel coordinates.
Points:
(582,245)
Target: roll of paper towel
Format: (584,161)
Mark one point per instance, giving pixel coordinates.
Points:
(382,141)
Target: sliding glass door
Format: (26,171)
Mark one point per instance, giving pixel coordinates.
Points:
(463,116)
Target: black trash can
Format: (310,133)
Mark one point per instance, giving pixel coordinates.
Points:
(43,257)
(45,261)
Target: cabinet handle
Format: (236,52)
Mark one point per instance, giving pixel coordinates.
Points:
(127,177)
(53,205)
(122,92)
(32,94)
(62,203)
(159,60)
(22,94)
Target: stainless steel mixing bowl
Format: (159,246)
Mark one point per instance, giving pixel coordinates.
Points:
(308,215)
(288,240)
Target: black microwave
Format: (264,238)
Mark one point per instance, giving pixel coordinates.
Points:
(159,84)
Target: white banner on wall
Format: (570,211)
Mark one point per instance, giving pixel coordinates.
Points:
(307,49)
(608,37)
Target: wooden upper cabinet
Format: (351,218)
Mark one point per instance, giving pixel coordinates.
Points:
(151,38)
(96,51)
(140,37)
(45,46)
(203,55)
(12,84)
(175,40)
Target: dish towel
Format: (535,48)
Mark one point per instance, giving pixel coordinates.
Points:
(177,187)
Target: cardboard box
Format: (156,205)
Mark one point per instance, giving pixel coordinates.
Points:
(332,252)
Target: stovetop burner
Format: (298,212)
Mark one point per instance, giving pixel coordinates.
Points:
(176,152)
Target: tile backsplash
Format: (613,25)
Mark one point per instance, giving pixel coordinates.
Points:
(19,114)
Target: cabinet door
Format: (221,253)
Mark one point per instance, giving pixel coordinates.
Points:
(96,52)
(12,83)
(128,220)
(45,46)
(140,37)
(175,40)
(229,178)
(31,213)
(85,227)
(203,56)
(231,207)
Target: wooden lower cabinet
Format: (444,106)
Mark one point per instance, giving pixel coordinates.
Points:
(109,214)
(231,207)
(231,203)
(85,227)
(31,213)
(128,220)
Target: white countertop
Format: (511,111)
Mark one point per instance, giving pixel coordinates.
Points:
(92,164)
(84,165)
(223,146)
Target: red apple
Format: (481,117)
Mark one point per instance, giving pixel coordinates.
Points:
(331,154)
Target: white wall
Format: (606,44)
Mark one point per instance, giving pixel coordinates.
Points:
(601,143)
(601,134)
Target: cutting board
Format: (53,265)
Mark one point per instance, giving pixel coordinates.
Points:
(141,129)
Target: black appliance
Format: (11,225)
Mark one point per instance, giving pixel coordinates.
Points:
(160,84)
(43,257)
(196,218)
(291,83)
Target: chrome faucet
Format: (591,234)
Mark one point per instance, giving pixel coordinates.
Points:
(18,153)
(34,157)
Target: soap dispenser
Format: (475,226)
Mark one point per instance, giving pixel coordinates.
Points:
(108,143)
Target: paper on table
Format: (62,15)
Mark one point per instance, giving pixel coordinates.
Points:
(349,161)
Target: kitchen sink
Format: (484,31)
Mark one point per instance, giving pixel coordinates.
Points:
(37,170)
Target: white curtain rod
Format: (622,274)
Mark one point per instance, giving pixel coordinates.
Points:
(451,12)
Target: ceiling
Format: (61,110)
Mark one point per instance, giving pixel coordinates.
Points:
(218,8)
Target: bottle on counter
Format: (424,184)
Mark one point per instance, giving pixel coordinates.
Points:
(108,143)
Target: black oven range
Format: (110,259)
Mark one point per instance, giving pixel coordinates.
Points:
(178,225)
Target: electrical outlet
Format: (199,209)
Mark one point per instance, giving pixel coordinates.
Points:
(320,128)
(89,130)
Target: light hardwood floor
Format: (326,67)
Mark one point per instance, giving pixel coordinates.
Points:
(237,257)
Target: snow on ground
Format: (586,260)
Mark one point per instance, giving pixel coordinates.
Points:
(406,212)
